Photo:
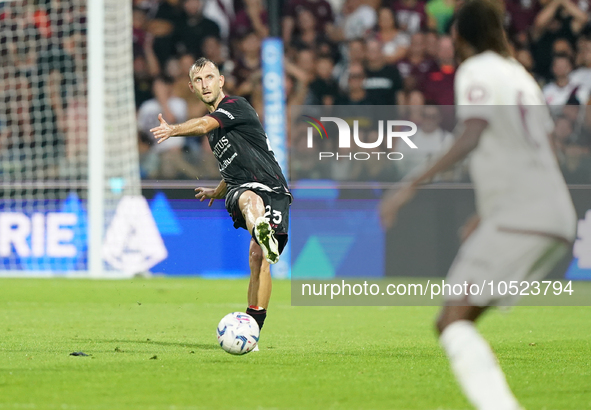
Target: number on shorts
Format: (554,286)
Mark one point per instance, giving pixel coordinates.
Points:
(277,217)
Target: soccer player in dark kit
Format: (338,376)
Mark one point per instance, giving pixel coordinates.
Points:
(256,192)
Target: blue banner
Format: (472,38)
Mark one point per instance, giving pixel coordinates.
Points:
(43,236)
(275,122)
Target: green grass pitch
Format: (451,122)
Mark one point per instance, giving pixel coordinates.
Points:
(153,347)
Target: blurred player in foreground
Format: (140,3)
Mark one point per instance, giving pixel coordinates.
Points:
(525,217)
(256,192)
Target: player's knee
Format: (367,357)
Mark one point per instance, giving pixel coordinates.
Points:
(256,255)
(251,202)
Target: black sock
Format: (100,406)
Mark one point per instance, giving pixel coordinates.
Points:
(258,315)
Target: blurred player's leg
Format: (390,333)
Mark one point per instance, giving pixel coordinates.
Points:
(472,360)
(253,209)
(260,286)
(259,289)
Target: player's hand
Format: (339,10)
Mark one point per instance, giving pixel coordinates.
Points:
(163,131)
(392,203)
(206,193)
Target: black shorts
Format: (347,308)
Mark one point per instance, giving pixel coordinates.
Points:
(276,211)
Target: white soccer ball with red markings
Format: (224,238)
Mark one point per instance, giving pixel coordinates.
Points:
(238,333)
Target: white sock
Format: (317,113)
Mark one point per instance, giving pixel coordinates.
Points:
(476,368)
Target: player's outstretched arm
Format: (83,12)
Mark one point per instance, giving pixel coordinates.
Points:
(211,193)
(193,127)
(465,144)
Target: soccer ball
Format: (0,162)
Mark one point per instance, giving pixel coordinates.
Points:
(238,333)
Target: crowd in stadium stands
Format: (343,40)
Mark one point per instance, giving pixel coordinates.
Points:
(42,88)
(337,52)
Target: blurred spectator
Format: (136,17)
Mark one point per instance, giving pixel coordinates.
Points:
(582,75)
(356,94)
(304,160)
(431,139)
(343,170)
(321,9)
(142,80)
(563,46)
(329,60)
(223,13)
(53,82)
(163,18)
(563,134)
(573,158)
(247,65)
(524,56)
(76,108)
(520,16)
(410,15)
(206,162)
(376,168)
(216,51)
(324,88)
(139,29)
(440,13)
(416,64)
(412,109)
(16,112)
(253,18)
(149,160)
(394,42)
(431,44)
(562,90)
(194,28)
(173,109)
(299,76)
(306,36)
(383,82)
(576,165)
(355,55)
(438,85)
(558,19)
(306,61)
(355,20)
(172,164)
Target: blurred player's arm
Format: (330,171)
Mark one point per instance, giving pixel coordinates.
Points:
(465,144)
(462,146)
(192,127)
(218,192)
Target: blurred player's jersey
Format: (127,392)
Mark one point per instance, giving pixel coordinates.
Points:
(242,148)
(517,179)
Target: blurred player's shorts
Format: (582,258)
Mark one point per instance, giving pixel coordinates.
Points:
(493,255)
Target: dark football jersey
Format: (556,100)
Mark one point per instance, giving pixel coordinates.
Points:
(242,148)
